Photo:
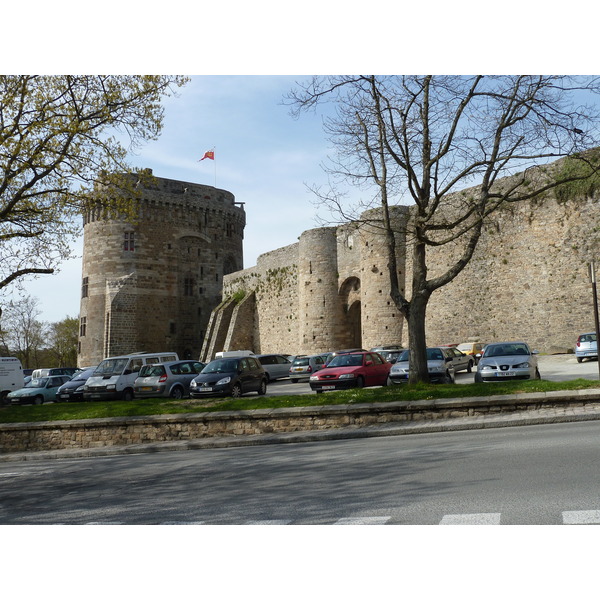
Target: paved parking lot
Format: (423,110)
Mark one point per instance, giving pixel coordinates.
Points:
(556,367)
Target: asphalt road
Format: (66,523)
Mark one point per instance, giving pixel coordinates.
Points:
(543,474)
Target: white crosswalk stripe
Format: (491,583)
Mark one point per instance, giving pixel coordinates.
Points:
(472,519)
(581,517)
(362,521)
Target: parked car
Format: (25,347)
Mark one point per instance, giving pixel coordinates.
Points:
(472,349)
(507,361)
(38,390)
(380,349)
(304,366)
(439,366)
(72,390)
(276,366)
(461,361)
(353,369)
(166,380)
(586,346)
(70,371)
(230,377)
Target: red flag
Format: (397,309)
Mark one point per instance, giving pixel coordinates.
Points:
(210,154)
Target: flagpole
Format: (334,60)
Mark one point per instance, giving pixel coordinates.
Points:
(215,161)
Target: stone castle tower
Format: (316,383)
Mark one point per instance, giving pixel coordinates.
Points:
(151,284)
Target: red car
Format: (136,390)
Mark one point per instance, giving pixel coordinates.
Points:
(356,369)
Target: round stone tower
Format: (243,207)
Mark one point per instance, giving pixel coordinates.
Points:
(320,311)
(150,283)
(381,321)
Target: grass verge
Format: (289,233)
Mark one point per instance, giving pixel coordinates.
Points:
(159,406)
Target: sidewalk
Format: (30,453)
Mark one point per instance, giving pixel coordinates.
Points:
(516,419)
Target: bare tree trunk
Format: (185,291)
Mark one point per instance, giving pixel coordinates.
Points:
(416,317)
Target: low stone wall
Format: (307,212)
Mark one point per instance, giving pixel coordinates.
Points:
(122,431)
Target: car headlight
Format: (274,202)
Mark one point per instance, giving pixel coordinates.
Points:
(314,378)
(524,365)
(112,386)
(347,376)
(80,388)
(193,383)
(223,381)
(486,367)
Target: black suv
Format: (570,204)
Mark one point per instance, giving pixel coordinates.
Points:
(230,377)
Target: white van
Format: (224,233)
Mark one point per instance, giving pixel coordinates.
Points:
(114,376)
(11,376)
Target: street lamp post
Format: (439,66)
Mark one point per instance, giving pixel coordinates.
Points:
(595,295)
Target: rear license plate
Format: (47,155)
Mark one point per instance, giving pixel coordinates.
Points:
(145,389)
(298,369)
(328,387)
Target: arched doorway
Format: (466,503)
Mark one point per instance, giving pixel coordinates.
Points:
(350,299)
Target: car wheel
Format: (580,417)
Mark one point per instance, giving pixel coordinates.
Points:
(127,395)
(579,360)
(236,391)
(537,374)
(319,391)
(470,367)
(262,390)
(38,400)
(360,382)
(177,393)
(478,378)
(268,378)
(448,378)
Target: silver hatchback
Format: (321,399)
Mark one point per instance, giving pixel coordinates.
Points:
(304,366)
(166,380)
(586,346)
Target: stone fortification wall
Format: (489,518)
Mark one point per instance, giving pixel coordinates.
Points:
(308,297)
(151,283)
(528,279)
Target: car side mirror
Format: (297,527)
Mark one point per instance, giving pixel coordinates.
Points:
(368,363)
(448,359)
(127,372)
(478,355)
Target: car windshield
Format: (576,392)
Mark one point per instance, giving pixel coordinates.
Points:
(38,382)
(221,366)
(506,350)
(347,360)
(404,356)
(111,366)
(464,347)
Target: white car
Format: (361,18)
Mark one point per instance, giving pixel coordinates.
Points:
(507,361)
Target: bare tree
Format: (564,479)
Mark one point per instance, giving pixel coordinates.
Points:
(423,140)
(23,334)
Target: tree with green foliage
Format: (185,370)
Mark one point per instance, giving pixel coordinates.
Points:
(62,342)
(58,135)
(446,145)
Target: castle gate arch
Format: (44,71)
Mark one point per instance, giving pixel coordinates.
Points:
(351,307)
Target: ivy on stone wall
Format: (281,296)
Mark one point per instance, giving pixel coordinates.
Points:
(573,166)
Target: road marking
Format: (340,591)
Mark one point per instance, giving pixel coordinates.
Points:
(269,522)
(581,517)
(472,519)
(105,523)
(182,523)
(362,521)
